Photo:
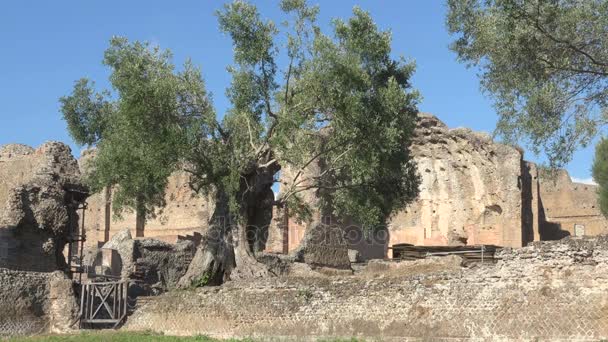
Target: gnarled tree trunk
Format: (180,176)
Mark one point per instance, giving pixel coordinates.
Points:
(228,250)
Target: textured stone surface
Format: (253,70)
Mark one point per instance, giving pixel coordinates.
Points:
(24,299)
(548,291)
(33,302)
(473,191)
(470,191)
(566,204)
(35,206)
(324,246)
(154,266)
(62,309)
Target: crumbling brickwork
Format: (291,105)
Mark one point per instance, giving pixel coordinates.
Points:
(473,191)
(569,208)
(39,195)
(547,291)
(186,212)
(33,303)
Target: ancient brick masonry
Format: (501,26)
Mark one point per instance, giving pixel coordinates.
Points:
(473,191)
(549,291)
(36,204)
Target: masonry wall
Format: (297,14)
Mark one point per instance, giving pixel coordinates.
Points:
(470,192)
(547,291)
(35,206)
(569,208)
(23,302)
(186,213)
(475,191)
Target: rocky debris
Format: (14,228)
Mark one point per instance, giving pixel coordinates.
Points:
(124,244)
(39,194)
(154,266)
(353,256)
(324,246)
(161,264)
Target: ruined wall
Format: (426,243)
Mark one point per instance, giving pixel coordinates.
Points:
(23,302)
(36,205)
(569,208)
(35,302)
(548,291)
(186,212)
(473,191)
(470,191)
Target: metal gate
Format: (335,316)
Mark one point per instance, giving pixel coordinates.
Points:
(103,304)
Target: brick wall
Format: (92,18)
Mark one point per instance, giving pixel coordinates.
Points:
(548,291)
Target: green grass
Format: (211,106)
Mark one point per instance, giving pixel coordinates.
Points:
(117,336)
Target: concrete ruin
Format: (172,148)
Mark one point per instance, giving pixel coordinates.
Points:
(39,196)
(473,191)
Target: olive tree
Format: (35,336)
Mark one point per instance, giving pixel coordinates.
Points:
(339,100)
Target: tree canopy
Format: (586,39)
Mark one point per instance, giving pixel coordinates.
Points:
(142,131)
(544,63)
(339,101)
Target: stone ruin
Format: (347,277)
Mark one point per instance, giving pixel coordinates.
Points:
(474,191)
(547,291)
(39,195)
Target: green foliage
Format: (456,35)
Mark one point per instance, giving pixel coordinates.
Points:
(545,64)
(304,294)
(203,280)
(142,134)
(341,102)
(86,112)
(600,173)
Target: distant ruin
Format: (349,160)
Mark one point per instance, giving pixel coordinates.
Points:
(474,191)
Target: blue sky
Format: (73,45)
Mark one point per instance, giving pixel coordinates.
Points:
(47,45)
